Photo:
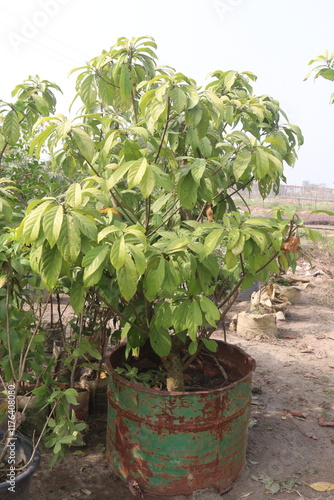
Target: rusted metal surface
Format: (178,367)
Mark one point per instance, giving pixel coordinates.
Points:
(175,442)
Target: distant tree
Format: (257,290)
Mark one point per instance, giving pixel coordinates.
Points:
(310,184)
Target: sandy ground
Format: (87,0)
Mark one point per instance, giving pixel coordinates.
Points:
(287,452)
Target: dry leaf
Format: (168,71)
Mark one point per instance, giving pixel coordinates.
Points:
(322,486)
(135,488)
(311,436)
(209,212)
(310,375)
(109,209)
(324,423)
(291,245)
(297,414)
(332,441)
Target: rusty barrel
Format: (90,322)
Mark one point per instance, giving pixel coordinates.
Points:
(174,443)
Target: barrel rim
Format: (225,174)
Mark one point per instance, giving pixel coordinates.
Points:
(139,387)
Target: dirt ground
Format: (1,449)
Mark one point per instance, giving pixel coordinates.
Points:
(287,451)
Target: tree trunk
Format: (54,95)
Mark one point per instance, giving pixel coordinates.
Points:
(174,377)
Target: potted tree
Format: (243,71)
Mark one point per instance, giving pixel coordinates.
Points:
(26,372)
(154,230)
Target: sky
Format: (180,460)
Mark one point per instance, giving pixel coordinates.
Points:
(273,39)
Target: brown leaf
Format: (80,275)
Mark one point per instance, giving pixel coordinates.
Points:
(332,441)
(210,371)
(322,486)
(310,375)
(291,245)
(135,488)
(297,414)
(209,212)
(324,423)
(311,436)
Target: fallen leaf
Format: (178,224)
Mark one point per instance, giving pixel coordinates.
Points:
(135,488)
(297,414)
(331,367)
(86,492)
(209,371)
(287,336)
(311,436)
(308,351)
(310,375)
(332,441)
(324,423)
(322,486)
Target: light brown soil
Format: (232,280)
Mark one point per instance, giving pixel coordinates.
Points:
(295,372)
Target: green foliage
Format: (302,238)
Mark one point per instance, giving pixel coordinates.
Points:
(325,69)
(149,219)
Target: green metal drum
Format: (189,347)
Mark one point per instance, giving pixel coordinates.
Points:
(177,442)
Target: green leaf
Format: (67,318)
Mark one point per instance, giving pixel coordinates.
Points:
(69,241)
(120,171)
(177,245)
(139,258)
(136,172)
(11,128)
(125,83)
(154,278)
(205,147)
(179,99)
(71,396)
(212,240)
(88,90)
(193,346)
(74,195)
(233,237)
(147,182)
(198,169)
(52,222)
(127,278)
(187,191)
(50,266)
(78,295)
(94,262)
(86,225)
(210,345)
(160,341)
(209,309)
(231,260)
(118,253)
(241,163)
(84,143)
(262,163)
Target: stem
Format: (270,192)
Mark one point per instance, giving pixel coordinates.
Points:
(2,151)
(265,265)
(164,222)
(10,354)
(122,203)
(75,364)
(120,315)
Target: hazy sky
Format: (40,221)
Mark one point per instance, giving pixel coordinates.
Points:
(273,39)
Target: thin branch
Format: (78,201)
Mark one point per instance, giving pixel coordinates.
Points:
(164,222)
(102,78)
(265,265)
(75,364)
(120,315)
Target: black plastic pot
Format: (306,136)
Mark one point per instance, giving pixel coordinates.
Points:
(20,485)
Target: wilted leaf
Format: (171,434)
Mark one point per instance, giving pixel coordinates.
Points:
(291,245)
(297,414)
(322,486)
(324,423)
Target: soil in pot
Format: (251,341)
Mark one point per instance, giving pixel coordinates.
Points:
(177,442)
(14,482)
